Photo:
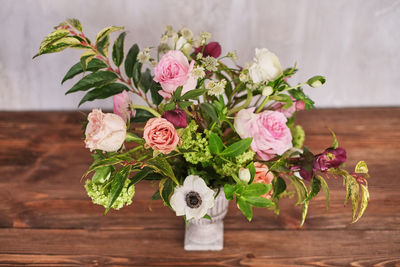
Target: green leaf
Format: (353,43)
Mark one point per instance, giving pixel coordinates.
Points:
(252,170)
(229,190)
(146,81)
(325,188)
(137,74)
(160,164)
(140,175)
(103,46)
(102,174)
(257,189)
(131,137)
(245,208)
(130,60)
(215,143)
(355,196)
(106,31)
(364,202)
(58,45)
(103,92)
(156,195)
(207,217)
(155,96)
(315,188)
(279,186)
(117,185)
(166,189)
(300,189)
(86,57)
(361,167)
(107,162)
(118,50)
(93,65)
(142,116)
(258,201)
(335,143)
(52,37)
(95,79)
(178,92)
(193,94)
(75,23)
(304,210)
(169,106)
(237,148)
(184,104)
(210,111)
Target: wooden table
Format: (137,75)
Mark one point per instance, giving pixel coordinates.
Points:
(46,218)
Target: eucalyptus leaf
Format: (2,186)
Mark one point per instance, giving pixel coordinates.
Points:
(75,23)
(364,202)
(106,31)
(104,92)
(160,164)
(325,188)
(140,175)
(131,137)
(192,94)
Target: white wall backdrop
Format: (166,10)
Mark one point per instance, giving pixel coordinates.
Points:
(354,43)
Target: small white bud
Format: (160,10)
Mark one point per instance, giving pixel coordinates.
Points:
(244,175)
(316,84)
(267,91)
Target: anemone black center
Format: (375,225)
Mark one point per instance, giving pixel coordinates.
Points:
(193,199)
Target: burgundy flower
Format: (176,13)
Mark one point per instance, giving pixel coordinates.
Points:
(177,117)
(212,49)
(330,158)
(306,175)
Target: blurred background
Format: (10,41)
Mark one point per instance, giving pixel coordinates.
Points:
(353,43)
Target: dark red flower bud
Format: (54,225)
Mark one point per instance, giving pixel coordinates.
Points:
(306,175)
(330,158)
(212,49)
(177,117)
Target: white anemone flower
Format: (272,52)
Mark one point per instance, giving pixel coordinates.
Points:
(193,199)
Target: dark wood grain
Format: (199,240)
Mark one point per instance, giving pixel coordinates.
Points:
(46,218)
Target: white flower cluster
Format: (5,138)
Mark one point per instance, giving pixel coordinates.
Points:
(210,63)
(216,88)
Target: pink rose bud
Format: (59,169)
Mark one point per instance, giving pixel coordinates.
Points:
(300,105)
(177,117)
(121,106)
(160,135)
(173,71)
(212,49)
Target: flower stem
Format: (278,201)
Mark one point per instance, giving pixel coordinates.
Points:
(149,109)
(262,104)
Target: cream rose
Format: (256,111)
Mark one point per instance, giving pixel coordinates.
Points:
(266,66)
(105,131)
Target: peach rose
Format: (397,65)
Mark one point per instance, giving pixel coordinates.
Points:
(160,135)
(263,176)
(105,131)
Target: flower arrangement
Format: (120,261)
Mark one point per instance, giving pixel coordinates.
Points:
(210,126)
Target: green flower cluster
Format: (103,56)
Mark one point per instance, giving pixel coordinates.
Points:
(198,142)
(232,167)
(298,136)
(100,195)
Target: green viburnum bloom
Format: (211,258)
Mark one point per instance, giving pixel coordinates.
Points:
(298,136)
(198,142)
(100,196)
(232,168)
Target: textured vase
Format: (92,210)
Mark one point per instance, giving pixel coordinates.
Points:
(205,234)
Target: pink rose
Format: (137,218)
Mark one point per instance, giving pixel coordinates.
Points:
(173,71)
(160,135)
(121,105)
(264,176)
(105,131)
(288,112)
(268,129)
